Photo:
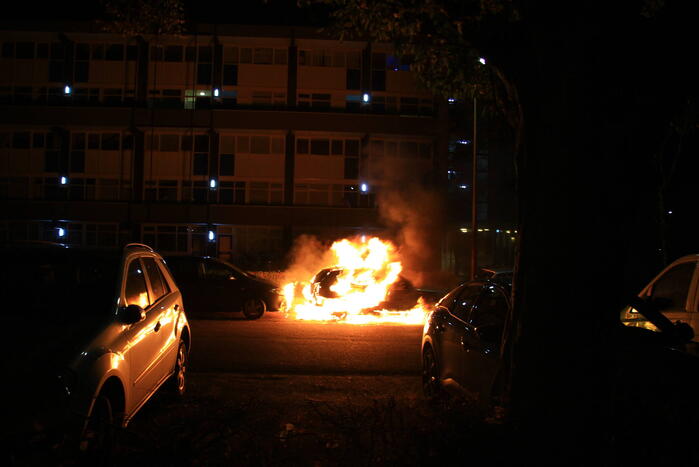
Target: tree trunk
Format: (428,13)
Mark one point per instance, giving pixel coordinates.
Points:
(581,204)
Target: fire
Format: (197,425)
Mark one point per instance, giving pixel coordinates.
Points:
(359,287)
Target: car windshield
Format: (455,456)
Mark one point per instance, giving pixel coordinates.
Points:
(53,281)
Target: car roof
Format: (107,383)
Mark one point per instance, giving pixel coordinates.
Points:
(497,269)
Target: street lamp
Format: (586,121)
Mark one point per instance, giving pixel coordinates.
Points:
(474,185)
(474,193)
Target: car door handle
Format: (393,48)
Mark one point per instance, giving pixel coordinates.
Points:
(157,327)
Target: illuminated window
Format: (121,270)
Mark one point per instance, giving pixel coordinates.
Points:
(135,290)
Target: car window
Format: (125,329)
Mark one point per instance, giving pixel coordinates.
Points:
(672,288)
(135,291)
(185,268)
(218,271)
(465,301)
(490,308)
(157,284)
(449,298)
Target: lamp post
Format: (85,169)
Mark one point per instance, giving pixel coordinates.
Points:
(474,184)
(474,194)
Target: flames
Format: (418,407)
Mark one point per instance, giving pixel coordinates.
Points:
(358,287)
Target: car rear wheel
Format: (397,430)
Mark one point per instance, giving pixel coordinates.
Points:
(254,308)
(178,383)
(431,386)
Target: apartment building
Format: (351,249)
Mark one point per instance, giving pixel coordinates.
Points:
(230,140)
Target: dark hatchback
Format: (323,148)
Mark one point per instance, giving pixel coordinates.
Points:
(461,339)
(213,285)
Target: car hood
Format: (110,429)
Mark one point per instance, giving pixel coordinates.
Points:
(38,354)
(41,347)
(261,283)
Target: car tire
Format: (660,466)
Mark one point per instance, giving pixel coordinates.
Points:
(431,386)
(254,308)
(98,443)
(178,381)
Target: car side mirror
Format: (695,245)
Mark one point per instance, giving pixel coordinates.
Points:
(131,314)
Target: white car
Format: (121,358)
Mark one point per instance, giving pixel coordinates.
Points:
(675,293)
(90,337)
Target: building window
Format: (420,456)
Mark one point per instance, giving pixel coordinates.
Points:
(169,143)
(320,147)
(280,56)
(77,161)
(200,165)
(264,193)
(245,55)
(302,146)
(230,75)
(115,52)
(393,63)
(318,101)
(112,96)
(21,140)
(232,193)
(204,73)
(98,52)
(226,164)
(263,55)
(110,141)
(259,144)
(268,98)
(82,71)
(173,53)
(354,79)
(378,72)
(167,238)
(230,54)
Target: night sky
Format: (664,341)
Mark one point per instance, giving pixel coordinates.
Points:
(271,12)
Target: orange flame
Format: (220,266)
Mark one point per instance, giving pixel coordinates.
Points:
(363,272)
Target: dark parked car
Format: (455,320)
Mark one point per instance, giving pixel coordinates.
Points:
(401,295)
(461,340)
(90,337)
(211,284)
(501,273)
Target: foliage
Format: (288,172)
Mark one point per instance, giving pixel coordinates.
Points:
(140,17)
(437,38)
(440,39)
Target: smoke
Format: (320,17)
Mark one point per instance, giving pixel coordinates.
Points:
(414,213)
(308,256)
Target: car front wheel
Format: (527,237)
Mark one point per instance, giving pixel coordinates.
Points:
(254,308)
(430,375)
(99,440)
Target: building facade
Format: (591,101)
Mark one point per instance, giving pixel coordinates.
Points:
(230,141)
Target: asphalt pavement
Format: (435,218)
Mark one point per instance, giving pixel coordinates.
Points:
(277,344)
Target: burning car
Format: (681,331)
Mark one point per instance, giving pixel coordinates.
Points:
(362,284)
(400,295)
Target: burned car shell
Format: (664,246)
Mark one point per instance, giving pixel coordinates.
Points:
(401,295)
